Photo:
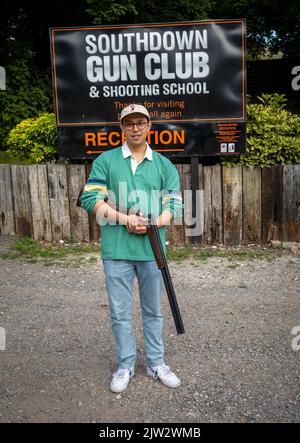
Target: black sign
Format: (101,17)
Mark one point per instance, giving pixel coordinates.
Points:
(190,76)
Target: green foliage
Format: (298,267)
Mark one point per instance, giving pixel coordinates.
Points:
(149,11)
(34,139)
(28,93)
(6,157)
(66,254)
(110,10)
(273,134)
(200,256)
(269,31)
(274,101)
(272,26)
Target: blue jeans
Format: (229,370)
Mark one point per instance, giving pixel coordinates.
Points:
(119,275)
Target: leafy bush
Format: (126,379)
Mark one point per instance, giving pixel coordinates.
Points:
(28,93)
(273,134)
(34,139)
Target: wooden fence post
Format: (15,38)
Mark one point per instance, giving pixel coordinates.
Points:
(271,204)
(59,202)
(291,203)
(39,197)
(175,232)
(187,185)
(232,205)
(95,231)
(21,197)
(79,220)
(251,204)
(197,201)
(212,185)
(7,219)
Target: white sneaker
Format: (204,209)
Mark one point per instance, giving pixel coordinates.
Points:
(165,375)
(120,379)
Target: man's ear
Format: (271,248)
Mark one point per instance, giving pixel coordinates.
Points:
(150,124)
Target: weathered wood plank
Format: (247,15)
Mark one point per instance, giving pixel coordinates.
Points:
(79,219)
(179,224)
(194,223)
(271,204)
(200,202)
(257,205)
(7,217)
(195,232)
(232,205)
(251,205)
(59,202)
(213,224)
(21,197)
(39,197)
(187,200)
(95,230)
(291,203)
(175,232)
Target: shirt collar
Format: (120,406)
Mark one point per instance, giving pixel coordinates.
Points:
(127,153)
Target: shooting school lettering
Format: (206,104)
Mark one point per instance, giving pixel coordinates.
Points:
(189,76)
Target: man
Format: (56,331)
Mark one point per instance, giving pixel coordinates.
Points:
(141,179)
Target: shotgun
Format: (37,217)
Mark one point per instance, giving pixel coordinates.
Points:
(162,264)
(158,252)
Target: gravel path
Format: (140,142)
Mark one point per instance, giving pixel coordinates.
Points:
(236,360)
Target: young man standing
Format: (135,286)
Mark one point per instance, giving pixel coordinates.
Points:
(143,180)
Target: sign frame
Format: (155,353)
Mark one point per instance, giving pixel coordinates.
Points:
(197,123)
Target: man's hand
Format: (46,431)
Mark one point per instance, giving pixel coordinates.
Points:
(164,219)
(136,224)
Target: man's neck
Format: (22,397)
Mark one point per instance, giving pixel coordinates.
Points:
(138,150)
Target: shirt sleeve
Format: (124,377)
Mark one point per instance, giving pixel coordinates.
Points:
(95,189)
(171,194)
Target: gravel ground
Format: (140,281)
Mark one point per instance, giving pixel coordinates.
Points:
(236,360)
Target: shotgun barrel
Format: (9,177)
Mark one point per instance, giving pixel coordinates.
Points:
(162,264)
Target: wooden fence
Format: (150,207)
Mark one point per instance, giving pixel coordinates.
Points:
(240,205)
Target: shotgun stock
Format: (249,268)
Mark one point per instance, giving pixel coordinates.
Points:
(158,252)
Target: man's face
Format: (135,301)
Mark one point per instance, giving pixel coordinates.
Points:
(135,128)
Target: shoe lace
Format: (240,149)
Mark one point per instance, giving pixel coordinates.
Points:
(163,370)
(121,372)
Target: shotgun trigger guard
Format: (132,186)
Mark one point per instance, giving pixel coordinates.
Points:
(151,220)
(144,216)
